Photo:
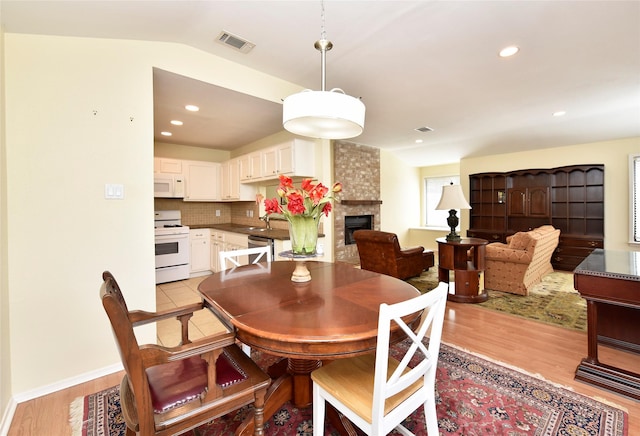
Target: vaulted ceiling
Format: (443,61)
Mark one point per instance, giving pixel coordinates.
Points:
(414,64)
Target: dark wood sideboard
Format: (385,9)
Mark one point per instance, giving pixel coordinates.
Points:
(610,282)
(570,198)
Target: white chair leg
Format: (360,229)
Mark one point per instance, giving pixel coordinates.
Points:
(318,412)
(430,418)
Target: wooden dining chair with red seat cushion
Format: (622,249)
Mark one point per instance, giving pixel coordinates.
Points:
(380,252)
(170,390)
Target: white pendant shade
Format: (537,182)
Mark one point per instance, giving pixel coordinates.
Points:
(452,198)
(323,114)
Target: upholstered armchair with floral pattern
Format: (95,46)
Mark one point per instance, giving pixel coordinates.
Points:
(522,262)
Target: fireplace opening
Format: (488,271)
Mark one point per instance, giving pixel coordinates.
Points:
(353,223)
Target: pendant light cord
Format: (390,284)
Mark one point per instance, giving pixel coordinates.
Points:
(323,46)
(323,33)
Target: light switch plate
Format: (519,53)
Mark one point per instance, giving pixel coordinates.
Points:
(113,191)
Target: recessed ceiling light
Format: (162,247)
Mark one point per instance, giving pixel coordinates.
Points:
(509,51)
(192,108)
(419,141)
(559,113)
(166,133)
(176,122)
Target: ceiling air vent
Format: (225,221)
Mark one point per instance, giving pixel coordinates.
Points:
(235,42)
(424,129)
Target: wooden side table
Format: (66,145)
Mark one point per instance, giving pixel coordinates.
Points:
(465,257)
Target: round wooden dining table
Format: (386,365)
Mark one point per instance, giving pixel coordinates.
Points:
(332,316)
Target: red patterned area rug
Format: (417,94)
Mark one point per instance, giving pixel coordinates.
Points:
(474,397)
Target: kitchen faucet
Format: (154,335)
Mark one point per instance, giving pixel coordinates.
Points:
(265,218)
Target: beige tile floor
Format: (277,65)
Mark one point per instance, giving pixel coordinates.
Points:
(180,293)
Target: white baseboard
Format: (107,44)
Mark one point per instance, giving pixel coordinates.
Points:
(7,417)
(67,383)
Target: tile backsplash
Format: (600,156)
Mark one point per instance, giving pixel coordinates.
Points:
(205,213)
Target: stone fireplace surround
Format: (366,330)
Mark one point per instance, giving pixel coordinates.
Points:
(357,167)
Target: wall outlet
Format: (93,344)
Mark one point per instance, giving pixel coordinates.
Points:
(250,214)
(217,212)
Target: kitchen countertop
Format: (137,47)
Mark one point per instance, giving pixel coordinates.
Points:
(249,230)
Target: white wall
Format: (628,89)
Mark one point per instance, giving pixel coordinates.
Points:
(5,351)
(400,195)
(178,151)
(79,114)
(421,235)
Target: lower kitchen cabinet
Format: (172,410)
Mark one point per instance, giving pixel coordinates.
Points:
(200,244)
(217,245)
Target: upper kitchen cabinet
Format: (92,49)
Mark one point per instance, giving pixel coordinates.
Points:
(167,166)
(202,181)
(295,158)
(250,167)
(232,189)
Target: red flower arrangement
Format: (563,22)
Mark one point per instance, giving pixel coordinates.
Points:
(310,200)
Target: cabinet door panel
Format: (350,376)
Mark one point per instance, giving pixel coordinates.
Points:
(538,199)
(517,202)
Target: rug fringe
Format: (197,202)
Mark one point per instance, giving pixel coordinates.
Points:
(536,376)
(76,412)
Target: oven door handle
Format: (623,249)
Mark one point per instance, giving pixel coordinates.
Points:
(172,236)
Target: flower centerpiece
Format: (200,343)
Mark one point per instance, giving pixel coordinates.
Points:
(303,207)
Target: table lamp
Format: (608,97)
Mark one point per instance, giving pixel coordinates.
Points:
(451,200)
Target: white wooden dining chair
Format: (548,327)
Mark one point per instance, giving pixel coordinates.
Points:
(234,257)
(378,392)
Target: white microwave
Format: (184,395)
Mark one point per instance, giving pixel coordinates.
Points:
(168,186)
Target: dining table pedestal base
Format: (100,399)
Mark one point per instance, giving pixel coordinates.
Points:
(292,382)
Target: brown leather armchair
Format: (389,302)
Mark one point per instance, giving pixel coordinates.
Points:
(380,252)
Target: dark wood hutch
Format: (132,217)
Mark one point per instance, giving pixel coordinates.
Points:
(571,198)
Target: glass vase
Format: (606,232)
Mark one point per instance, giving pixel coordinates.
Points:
(303,232)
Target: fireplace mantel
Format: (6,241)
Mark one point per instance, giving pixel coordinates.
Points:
(360,202)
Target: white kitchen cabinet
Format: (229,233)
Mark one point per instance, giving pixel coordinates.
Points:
(250,167)
(294,158)
(232,189)
(217,245)
(200,244)
(202,181)
(167,166)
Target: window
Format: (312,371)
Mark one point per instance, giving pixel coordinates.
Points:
(634,190)
(433,192)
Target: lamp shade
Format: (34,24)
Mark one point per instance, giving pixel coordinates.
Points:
(323,114)
(452,198)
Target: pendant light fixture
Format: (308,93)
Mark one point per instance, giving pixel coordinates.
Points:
(323,114)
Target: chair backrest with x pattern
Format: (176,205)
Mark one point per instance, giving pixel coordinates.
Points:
(263,254)
(433,306)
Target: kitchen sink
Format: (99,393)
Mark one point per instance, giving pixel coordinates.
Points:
(256,229)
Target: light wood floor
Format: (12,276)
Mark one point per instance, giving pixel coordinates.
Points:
(537,348)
